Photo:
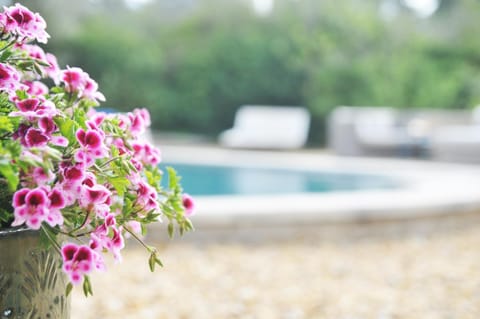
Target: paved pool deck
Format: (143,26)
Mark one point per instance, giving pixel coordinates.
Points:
(413,267)
(430,189)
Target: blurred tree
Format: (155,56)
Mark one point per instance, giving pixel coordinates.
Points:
(194,62)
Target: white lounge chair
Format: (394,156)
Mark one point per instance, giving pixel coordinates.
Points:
(366,131)
(268,127)
(460,143)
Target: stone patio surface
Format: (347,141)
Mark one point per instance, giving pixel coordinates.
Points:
(427,268)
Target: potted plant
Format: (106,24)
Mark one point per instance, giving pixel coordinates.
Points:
(73,181)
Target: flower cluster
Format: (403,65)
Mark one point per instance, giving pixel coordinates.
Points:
(72,171)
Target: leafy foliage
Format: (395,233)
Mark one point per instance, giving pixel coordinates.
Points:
(314,53)
(67,170)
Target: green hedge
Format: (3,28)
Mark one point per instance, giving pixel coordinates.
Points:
(194,71)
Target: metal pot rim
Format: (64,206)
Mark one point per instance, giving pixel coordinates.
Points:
(15,230)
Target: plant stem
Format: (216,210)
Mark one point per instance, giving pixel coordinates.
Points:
(71,233)
(10,44)
(109,161)
(150,249)
(52,240)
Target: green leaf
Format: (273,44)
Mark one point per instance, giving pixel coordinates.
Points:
(57,89)
(79,116)
(173,179)
(7,171)
(46,236)
(37,69)
(158,261)
(69,288)
(188,224)
(154,260)
(7,123)
(22,94)
(42,63)
(6,218)
(5,55)
(87,287)
(151,262)
(120,184)
(68,128)
(171,230)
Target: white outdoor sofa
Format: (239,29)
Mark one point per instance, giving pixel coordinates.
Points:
(446,135)
(268,127)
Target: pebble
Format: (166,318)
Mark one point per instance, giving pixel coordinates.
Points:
(424,269)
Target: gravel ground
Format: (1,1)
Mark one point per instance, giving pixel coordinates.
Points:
(423,269)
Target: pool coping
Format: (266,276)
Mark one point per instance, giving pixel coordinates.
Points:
(432,189)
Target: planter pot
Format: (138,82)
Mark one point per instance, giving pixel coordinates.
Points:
(32,283)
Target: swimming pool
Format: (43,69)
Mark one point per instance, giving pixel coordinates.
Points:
(236,180)
(400,189)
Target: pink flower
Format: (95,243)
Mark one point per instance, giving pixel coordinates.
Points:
(78,81)
(92,147)
(59,141)
(47,125)
(146,153)
(36,88)
(92,196)
(73,174)
(57,202)
(77,261)
(20,133)
(28,105)
(96,119)
(74,79)
(10,80)
(30,207)
(35,138)
(91,139)
(138,125)
(25,23)
(35,107)
(108,236)
(135,227)
(53,71)
(57,199)
(145,115)
(188,204)
(146,196)
(40,177)
(91,91)
(71,184)
(117,243)
(35,51)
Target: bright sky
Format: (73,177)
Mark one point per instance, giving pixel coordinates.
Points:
(262,7)
(134,4)
(424,8)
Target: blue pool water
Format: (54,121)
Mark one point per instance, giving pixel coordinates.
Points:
(234,180)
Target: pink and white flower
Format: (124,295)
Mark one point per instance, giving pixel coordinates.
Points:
(188,204)
(90,91)
(53,71)
(146,197)
(32,108)
(146,153)
(108,236)
(74,79)
(42,177)
(10,80)
(31,26)
(30,207)
(78,260)
(36,88)
(92,146)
